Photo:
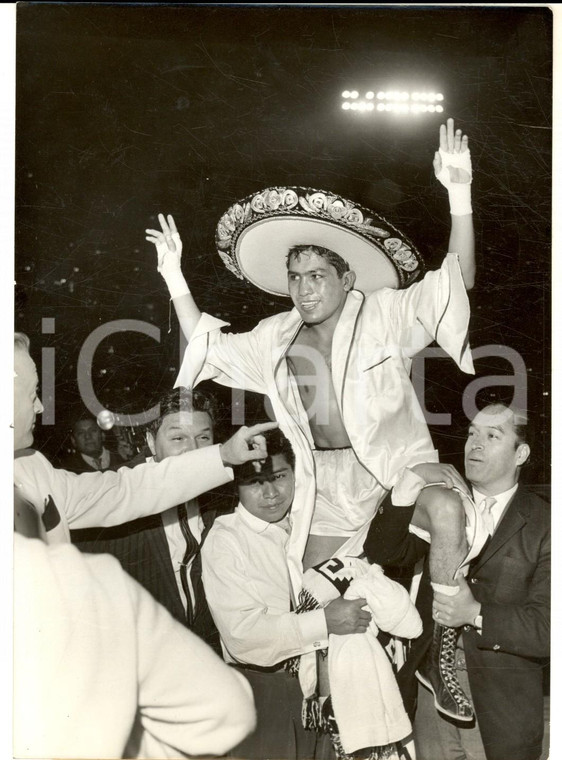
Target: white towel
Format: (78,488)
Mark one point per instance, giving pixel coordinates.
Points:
(366,700)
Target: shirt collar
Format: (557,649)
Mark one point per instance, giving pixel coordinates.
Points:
(255,523)
(92,461)
(502,499)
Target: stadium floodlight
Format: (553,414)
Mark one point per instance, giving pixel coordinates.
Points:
(398,101)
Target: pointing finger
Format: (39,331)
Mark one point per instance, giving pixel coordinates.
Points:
(261,427)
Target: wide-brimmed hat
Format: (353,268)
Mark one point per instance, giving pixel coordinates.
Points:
(254,236)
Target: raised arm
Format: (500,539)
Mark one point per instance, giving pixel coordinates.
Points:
(169,247)
(453,169)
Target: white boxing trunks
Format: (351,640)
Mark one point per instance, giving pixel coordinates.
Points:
(347,495)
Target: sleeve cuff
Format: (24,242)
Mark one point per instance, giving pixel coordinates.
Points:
(215,460)
(195,356)
(407,489)
(313,630)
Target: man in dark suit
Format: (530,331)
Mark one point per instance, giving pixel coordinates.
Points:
(502,609)
(162,552)
(89,452)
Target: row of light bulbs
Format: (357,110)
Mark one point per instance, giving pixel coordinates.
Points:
(395,95)
(361,105)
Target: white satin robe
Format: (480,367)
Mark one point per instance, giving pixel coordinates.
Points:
(373,345)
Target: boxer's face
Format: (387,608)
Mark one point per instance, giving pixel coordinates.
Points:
(316,289)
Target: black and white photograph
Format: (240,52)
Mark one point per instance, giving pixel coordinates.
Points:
(282,380)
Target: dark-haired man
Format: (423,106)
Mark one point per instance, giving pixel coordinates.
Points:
(247,585)
(90,454)
(162,551)
(503,606)
(63,500)
(336,368)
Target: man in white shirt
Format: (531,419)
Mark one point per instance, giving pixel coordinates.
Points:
(162,552)
(249,594)
(100,669)
(503,606)
(64,499)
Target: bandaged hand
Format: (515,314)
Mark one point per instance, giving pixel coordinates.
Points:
(453,168)
(168,248)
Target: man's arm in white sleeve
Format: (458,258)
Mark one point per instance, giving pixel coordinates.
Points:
(251,632)
(102,499)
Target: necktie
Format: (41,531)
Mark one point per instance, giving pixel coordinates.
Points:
(487,518)
(98,461)
(191,552)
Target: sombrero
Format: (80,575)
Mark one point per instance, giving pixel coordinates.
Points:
(254,236)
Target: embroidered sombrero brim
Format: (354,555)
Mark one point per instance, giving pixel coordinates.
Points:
(254,236)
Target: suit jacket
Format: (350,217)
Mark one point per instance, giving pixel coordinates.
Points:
(511,580)
(142,549)
(74,463)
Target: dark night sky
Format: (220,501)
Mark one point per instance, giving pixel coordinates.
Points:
(126,111)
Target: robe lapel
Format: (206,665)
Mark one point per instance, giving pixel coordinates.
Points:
(287,330)
(343,341)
